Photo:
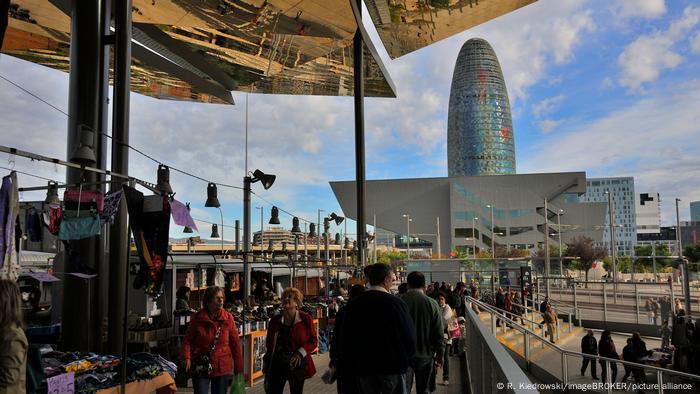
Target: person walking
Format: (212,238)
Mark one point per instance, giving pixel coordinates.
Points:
(383,339)
(291,338)
(606,348)
(345,380)
(429,327)
(550,320)
(13,342)
(627,355)
(183,299)
(589,345)
(450,324)
(475,295)
(211,349)
(665,308)
(500,304)
(639,349)
(649,306)
(665,334)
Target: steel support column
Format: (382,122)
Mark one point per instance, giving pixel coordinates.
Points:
(87,102)
(359,91)
(119,231)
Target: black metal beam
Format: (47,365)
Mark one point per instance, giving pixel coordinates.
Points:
(359,92)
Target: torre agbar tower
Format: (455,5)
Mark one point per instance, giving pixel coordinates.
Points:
(479,125)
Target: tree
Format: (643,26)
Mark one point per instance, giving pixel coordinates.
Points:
(646,264)
(692,253)
(584,248)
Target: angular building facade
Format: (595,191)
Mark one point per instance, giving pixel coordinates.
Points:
(479,125)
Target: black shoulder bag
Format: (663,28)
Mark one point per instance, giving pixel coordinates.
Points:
(201,366)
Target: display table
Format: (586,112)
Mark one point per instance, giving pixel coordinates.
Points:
(161,384)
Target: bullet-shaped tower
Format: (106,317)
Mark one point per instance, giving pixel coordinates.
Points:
(479,125)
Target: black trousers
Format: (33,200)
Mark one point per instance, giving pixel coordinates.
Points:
(278,376)
(613,369)
(586,361)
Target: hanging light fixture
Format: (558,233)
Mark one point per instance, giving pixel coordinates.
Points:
(346,244)
(52,194)
(214,231)
(84,153)
(164,179)
(312,230)
(266,179)
(336,218)
(275,219)
(212,200)
(337,238)
(295,226)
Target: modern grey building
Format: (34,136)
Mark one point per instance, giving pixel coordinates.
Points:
(623,199)
(647,208)
(695,211)
(464,208)
(479,125)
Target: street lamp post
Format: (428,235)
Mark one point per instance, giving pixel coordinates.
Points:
(493,230)
(561,265)
(613,245)
(408,235)
(318,236)
(474,219)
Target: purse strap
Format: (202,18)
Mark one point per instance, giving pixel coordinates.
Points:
(216,339)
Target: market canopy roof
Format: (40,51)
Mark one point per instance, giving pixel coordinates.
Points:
(407,25)
(200,50)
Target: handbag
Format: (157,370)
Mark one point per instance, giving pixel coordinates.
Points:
(201,366)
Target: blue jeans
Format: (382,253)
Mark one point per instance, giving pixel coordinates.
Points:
(421,368)
(382,384)
(219,385)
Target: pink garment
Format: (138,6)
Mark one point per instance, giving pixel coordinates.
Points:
(181,214)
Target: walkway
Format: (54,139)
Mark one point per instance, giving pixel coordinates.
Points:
(316,386)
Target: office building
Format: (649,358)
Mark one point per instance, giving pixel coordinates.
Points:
(648,213)
(479,125)
(623,201)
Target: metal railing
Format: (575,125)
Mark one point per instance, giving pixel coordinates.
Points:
(489,367)
(567,356)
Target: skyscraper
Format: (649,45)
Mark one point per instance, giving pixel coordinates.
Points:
(479,125)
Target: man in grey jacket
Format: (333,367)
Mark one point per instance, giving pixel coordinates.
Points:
(429,328)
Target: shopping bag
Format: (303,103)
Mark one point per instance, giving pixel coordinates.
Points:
(238,385)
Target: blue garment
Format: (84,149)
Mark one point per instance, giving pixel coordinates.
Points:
(79,228)
(32,224)
(219,385)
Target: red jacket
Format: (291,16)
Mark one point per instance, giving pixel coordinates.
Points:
(304,339)
(227,357)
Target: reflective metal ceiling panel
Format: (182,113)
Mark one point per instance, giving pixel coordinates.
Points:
(407,25)
(199,49)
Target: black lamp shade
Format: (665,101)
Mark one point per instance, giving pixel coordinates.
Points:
(346,244)
(312,230)
(295,225)
(337,219)
(164,179)
(52,194)
(266,179)
(212,199)
(337,238)
(214,231)
(275,219)
(84,153)
(326,225)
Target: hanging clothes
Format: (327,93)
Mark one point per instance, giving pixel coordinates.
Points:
(55,215)
(77,199)
(85,226)
(181,214)
(9,210)
(32,222)
(219,278)
(111,206)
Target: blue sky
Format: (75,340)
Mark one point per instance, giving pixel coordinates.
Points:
(608,87)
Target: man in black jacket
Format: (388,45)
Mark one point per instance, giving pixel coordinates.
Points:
(500,304)
(380,337)
(589,345)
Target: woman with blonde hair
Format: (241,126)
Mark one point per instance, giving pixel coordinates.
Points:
(291,338)
(211,349)
(13,342)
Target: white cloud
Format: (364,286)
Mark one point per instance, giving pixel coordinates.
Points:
(695,43)
(548,125)
(647,9)
(648,140)
(644,59)
(547,105)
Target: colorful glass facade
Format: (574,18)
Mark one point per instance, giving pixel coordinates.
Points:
(479,125)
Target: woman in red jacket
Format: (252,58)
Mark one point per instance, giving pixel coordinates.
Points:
(212,334)
(291,338)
